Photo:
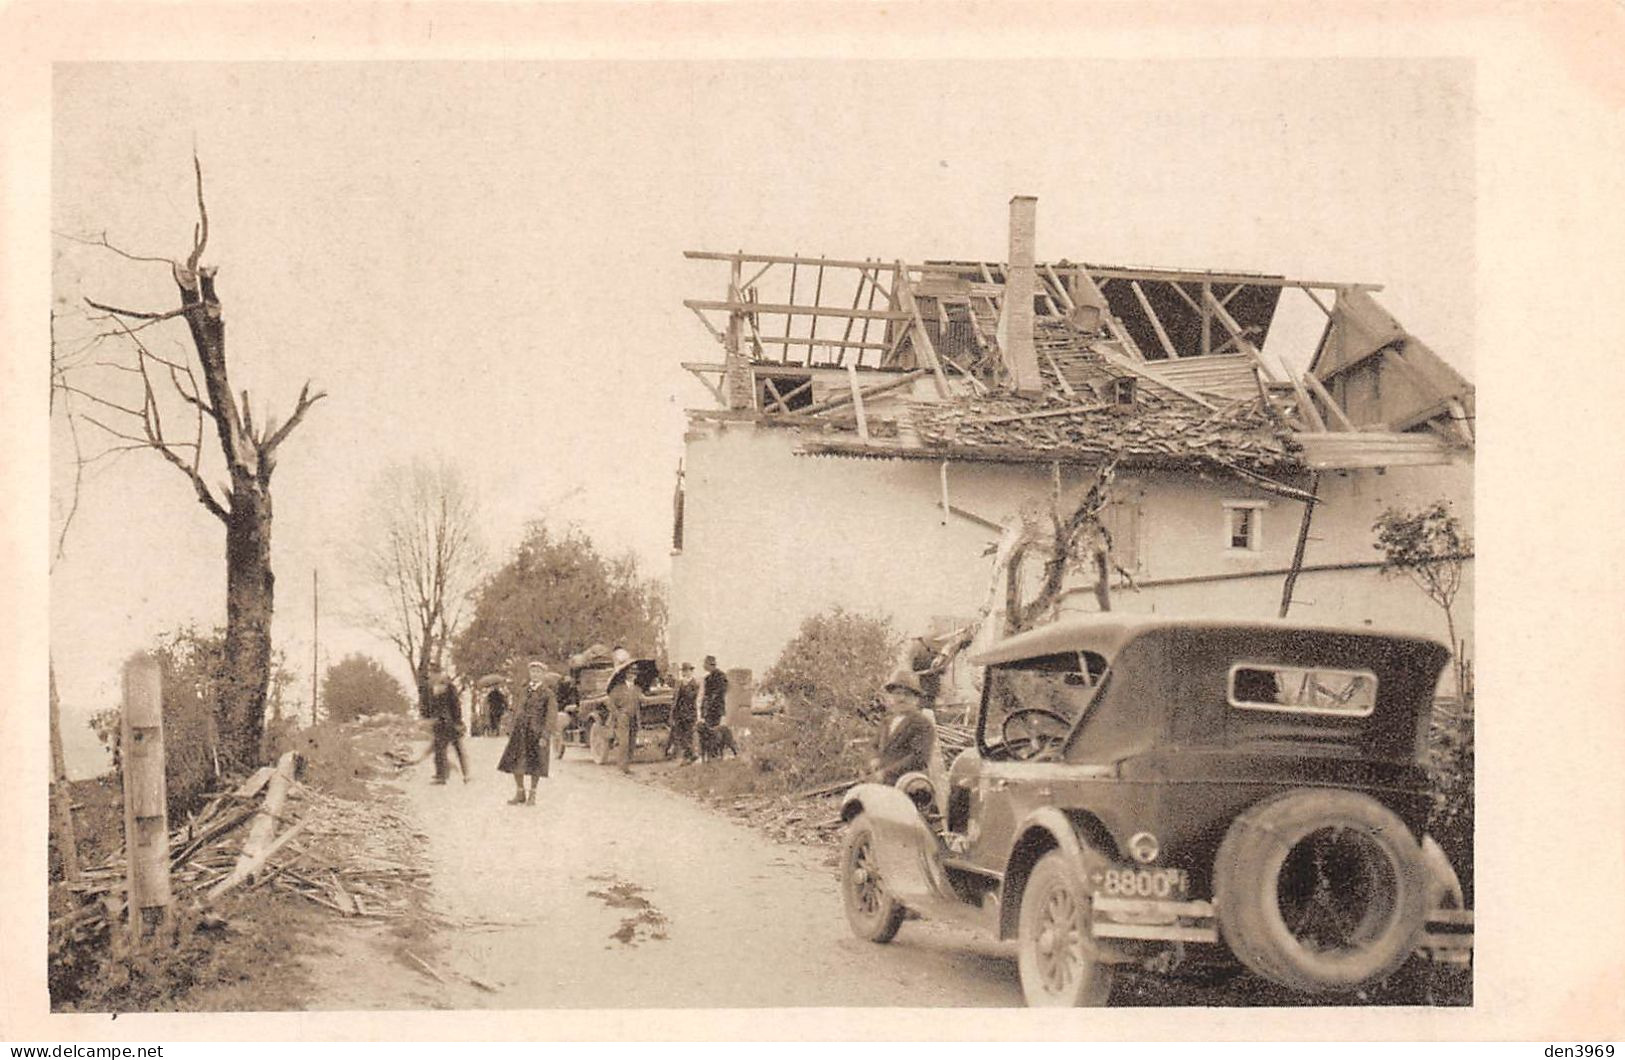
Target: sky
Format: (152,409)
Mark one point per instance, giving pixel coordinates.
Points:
(482,262)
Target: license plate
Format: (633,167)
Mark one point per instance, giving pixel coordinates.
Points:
(1141,883)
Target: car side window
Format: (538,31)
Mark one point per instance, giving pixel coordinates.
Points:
(1302,689)
(1061,685)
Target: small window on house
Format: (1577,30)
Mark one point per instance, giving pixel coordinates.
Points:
(783,393)
(1123,388)
(1243,525)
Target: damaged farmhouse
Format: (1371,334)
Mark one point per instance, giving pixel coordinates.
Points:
(879,426)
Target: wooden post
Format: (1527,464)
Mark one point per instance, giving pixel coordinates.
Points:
(1302,545)
(857,403)
(67,836)
(146,814)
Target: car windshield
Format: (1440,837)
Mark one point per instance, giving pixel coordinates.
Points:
(1039,698)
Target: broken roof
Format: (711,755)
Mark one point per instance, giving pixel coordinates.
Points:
(1160,367)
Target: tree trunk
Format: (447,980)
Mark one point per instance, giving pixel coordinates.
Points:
(249,605)
(65,834)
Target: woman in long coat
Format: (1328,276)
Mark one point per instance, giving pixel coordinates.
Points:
(526,753)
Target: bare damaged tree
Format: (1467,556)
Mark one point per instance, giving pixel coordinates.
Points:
(1079,539)
(133,416)
(420,554)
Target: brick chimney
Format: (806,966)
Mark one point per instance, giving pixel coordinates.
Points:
(1020,357)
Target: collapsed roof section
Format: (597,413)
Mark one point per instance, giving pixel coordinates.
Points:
(1020,361)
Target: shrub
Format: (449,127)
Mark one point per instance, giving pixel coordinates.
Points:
(357,685)
(835,663)
(1452,764)
(192,665)
(825,679)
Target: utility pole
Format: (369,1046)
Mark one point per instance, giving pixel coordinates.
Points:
(315,638)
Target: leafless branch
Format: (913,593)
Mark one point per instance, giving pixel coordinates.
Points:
(69,388)
(302,406)
(102,242)
(115,433)
(200,237)
(139,314)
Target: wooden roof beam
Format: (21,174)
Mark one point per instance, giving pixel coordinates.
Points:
(778,308)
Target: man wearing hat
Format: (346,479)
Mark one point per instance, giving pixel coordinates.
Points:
(623,704)
(904,742)
(684,711)
(526,753)
(441,705)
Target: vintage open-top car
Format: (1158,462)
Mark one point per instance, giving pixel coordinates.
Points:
(1178,794)
(587,722)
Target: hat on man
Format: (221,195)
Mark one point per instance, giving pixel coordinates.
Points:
(537,664)
(687,668)
(905,681)
(710,660)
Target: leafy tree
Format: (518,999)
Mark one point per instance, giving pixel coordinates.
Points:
(556,595)
(357,685)
(1430,547)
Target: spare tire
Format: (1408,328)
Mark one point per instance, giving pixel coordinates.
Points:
(1320,890)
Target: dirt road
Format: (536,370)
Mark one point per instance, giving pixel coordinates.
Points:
(614,893)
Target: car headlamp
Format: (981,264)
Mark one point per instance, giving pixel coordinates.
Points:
(1143,847)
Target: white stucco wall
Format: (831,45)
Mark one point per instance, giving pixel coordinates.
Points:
(771,537)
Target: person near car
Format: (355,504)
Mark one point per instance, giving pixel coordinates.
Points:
(623,704)
(684,712)
(526,753)
(713,702)
(442,706)
(903,744)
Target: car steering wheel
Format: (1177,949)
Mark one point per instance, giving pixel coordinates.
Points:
(1036,732)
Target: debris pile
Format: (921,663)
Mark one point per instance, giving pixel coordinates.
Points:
(351,857)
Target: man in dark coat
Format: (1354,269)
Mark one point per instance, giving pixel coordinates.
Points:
(526,753)
(684,712)
(713,705)
(442,706)
(903,744)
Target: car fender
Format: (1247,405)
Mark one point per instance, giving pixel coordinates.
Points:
(906,851)
(1041,831)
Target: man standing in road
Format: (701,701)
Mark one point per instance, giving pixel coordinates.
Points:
(713,705)
(684,711)
(623,702)
(441,705)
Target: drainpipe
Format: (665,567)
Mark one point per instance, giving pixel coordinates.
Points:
(1020,356)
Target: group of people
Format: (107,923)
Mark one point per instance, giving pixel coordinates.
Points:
(698,708)
(905,743)
(530,734)
(697,713)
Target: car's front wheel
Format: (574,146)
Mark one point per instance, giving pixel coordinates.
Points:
(1058,957)
(873,914)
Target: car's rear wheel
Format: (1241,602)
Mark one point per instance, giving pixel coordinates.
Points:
(598,740)
(873,914)
(1322,891)
(1058,957)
